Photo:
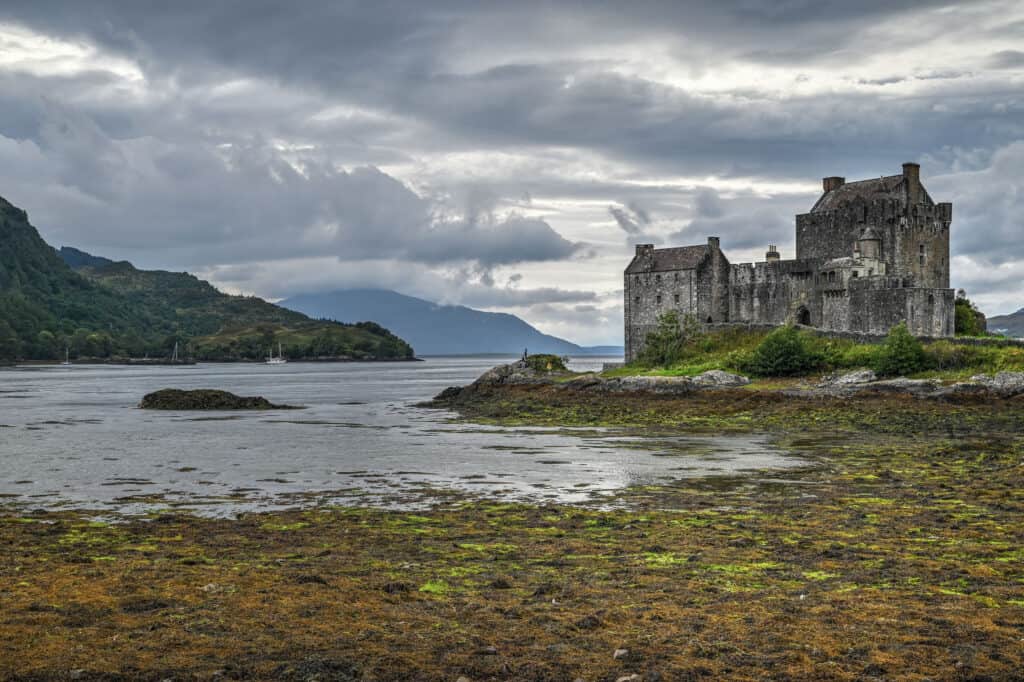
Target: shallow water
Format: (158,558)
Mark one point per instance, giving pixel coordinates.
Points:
(73,437)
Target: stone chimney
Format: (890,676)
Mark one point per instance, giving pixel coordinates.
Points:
(645,254)
(834,182)
(912,174)
(773,254)
(713,242)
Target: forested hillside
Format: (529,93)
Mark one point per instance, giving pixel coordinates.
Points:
(107,310)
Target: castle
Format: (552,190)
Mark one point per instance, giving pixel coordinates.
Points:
(869,255)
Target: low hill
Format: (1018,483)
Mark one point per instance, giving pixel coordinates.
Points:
(1008,325)
(435,329)
(108,310)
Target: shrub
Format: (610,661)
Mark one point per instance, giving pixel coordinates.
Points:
(943,355)
(546,363)
(859,355)
(785,352)
(666,345)
(902,353)
(967,319)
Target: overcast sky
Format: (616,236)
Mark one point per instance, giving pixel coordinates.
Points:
(502,155)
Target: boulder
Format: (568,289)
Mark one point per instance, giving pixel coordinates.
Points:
(921,388)
(205,399)
(648,384)
(1003,384)
(855,378)
(717,378)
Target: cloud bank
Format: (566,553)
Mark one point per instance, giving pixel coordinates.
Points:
(502,156)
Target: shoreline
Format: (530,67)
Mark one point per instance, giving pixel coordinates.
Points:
(895,557)
(895,553)
(168,363)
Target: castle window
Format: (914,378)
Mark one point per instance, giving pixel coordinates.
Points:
(637,300)
(677,277)
(658,300)
(931,299)
(920,257)
(855,274)
(657,278)
(677,298)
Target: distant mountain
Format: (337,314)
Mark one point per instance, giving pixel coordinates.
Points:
(435,329)
(106,310)
(1010,325)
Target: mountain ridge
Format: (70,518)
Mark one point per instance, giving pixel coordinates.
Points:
(438,329)
(109,310)
(1011,325)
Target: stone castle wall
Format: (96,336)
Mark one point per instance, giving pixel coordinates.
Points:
(831,285)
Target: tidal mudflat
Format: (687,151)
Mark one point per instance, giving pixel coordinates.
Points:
(890,548)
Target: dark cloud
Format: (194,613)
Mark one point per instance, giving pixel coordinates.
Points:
(466,139)
(1007,59)
(632,218)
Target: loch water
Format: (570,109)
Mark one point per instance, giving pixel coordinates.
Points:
(73,437)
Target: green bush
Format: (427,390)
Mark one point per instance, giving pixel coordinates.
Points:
(785,352)
(857,355)
(666,345)
(902,353)
(967,320)
(546,363)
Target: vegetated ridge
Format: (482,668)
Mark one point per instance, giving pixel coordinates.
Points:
(108,310)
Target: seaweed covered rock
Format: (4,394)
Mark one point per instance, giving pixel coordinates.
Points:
(205,399)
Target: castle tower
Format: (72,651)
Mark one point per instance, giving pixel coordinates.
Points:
(869,244)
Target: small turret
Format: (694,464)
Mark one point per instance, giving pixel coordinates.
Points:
(869,244)
(773,254)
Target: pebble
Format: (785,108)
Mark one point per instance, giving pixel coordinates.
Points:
(620,653)
(629,678)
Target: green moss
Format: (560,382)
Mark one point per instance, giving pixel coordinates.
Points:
(435,587)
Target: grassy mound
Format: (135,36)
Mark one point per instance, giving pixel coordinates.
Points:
(796,353)
(545,362)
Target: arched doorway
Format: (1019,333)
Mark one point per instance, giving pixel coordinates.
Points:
(803,316)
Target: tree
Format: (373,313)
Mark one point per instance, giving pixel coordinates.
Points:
(902,353)
(10,346)
(784,352)
(665,345)
(968,320)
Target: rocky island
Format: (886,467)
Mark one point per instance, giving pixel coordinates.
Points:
(205,399)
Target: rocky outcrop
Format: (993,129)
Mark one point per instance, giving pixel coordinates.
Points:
(520,374)
(859,383)
(860,376)
(864,382)
(205,399)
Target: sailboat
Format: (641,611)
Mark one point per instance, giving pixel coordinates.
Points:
(279,360)
(67,356)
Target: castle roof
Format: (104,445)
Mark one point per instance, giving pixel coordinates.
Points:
(885,187)
(677,258)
